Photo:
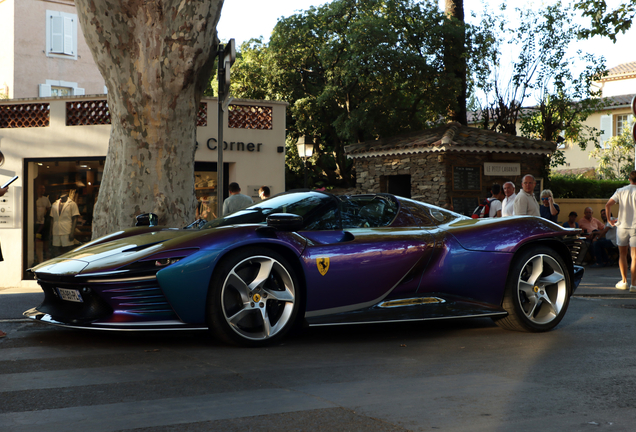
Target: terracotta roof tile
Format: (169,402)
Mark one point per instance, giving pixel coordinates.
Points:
(620,100)
(450,137)
(622,69)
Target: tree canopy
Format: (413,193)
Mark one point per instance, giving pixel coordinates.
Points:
(541,91)
(616,160)
(352,71)
(606,22)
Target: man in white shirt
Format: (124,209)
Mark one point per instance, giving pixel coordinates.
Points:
(507,207)
(64,214)
(525,203)
(626,232)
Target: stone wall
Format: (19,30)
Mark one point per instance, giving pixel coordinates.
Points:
(431,173)
(429,181)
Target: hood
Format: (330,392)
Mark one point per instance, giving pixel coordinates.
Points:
(130,252)
(120,251)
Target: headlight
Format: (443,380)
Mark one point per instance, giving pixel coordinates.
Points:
(156,262)
(167,261)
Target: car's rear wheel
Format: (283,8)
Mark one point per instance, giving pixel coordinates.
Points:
(537,292)
(254,298)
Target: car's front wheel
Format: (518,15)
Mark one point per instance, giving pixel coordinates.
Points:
(254,298)
(537,292)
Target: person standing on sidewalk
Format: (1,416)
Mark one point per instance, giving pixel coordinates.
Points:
(626,232)
(236,201)
(507,206)
(525,203)
(2,192)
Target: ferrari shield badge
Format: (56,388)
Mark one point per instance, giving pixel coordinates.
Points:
(323,265)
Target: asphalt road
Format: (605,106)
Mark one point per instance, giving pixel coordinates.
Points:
(460,375)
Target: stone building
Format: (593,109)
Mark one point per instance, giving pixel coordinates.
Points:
(452,166)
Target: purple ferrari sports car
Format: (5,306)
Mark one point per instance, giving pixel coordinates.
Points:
(316,258)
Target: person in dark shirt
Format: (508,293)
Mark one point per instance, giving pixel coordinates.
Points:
(264,192)
(549,210)
(571,222)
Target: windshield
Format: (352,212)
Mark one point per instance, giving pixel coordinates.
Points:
(318,210)
(429,215)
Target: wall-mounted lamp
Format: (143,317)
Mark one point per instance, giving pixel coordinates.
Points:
(305,150)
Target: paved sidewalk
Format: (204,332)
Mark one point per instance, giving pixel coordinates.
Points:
(20,290)
(601,282)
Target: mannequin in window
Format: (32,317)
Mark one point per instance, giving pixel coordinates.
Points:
(42,224)
(64,214)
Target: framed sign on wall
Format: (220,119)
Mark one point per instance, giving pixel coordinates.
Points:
(467,178)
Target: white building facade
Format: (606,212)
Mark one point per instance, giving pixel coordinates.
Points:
(43,51)
(58,146)
(618,89)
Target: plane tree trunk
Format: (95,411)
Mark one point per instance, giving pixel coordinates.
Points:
(156,58)
(455,59)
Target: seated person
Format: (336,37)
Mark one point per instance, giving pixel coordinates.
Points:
(591,228)
(604,243)
(571,222)
(548,209)
(590,225)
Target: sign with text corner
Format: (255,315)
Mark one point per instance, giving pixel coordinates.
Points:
(7,209)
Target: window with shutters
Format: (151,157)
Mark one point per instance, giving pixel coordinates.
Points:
(623,121)
(61,35)
(606,130)
(59,88)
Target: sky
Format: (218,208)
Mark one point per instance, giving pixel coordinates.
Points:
(246,19)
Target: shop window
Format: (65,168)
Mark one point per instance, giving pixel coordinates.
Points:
(68,188)
(73,184)
(205,188)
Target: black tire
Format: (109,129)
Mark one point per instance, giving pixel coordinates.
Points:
(254,298)
(537,291)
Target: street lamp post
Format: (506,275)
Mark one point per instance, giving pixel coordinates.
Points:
(305,150)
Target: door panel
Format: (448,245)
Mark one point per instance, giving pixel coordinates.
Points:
(360,266)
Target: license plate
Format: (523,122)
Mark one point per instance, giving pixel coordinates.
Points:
(70,295)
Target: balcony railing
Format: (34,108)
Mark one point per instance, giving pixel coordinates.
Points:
(95,112)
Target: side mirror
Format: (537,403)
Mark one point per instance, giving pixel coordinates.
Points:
(147,219)
(285,221)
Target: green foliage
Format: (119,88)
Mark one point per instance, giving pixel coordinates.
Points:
(542,77)
(616,160)
(353,71)
(581,187)
(604,22)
